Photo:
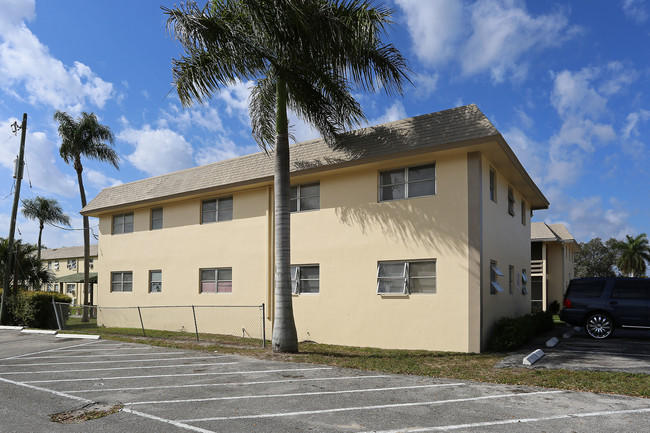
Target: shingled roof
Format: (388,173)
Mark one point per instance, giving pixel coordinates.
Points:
(435,130)
(66,252)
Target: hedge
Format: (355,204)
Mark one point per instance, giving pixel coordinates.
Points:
(35,310)
(512,333)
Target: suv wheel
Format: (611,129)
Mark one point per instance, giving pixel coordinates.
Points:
(599,326)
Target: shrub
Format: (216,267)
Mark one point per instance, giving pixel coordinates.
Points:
(35,310)
(512,333)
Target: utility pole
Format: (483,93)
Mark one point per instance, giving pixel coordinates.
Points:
(12,227)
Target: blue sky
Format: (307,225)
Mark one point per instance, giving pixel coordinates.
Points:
(566,83)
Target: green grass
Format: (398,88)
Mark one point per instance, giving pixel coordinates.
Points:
(458,366)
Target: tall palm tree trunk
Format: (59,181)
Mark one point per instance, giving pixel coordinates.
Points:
(285,337)
(40,235)
(82,192)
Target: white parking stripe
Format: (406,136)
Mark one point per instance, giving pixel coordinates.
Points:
(110,348)
(296,394)
(37,388)
(167,421)
(116,368)
(155,376)
(107,355)
(102,362)
(45,351)
(201,385)
(515,421)
(382,406)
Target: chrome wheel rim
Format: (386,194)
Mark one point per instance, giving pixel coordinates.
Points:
(599,326)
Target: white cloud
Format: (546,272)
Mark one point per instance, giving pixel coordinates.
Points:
(592,218)
(27,68)
(99,180)
(392,113)
(222,149)
(636,10)
(236,98)
(204,117)
(574,95)
(157,151)
(435,27)
(425,85)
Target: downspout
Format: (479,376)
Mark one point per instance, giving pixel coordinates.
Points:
(270,254)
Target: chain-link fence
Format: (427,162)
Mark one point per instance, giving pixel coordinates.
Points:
(246,321)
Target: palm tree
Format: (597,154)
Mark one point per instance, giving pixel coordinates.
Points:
(634,253)
(303,55)
(27,271)
(86,137)
(44,210)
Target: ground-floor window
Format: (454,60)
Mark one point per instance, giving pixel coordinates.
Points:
(305,279)
(70,289)
(155,281)
(122,281)
(216,280)
(406,277)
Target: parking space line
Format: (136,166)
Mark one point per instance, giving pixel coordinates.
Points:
(514,421)
(38,388)
(294,394)
(108,355)
(114,368)
(45,351)
(375,407)
(156,376)
(167,421)
(111,347)
(105,362)
(200,385)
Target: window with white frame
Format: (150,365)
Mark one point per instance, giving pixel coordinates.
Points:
(305,197)
(91,263)
(216,280)
(406,277)
(156,219)
(72,264)
(493,185)
(49,287)
(511,201)
(407,182)
(511,279)
(523,212)
(122,281)
(123,223)
(305,279)
(216,210)
(56,265)
(70,289)
(155,281)
(524,282)
(495,273)
(49,264)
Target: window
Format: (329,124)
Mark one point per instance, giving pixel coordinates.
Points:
(511,201)
(56,265)
(631,289)
(523,212)
(49,264)
(216,210)
(156,219)
(495,273)
(524,282)
(155,281)
(493,185)
(70,289)
(216,280)
(305,197)
(305,279)
(49,287)
(91,263)
(511,279)
(123,223)
(121,281)
(406,277)
(407,182)
(72,264)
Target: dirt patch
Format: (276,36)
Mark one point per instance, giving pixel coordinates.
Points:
(86,413)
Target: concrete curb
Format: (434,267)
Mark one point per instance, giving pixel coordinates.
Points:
(552,342)
(534,357)
(11,328)
(39,331)
(79,336)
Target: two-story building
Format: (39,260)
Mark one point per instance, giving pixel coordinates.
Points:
(413,234)
(67,265)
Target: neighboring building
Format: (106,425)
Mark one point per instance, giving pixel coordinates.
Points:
(67,265)
(552,251)
(414,234)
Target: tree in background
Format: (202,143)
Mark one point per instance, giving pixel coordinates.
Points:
(597,259)
(45,211)
(86,137)
(634,253)
(307,56)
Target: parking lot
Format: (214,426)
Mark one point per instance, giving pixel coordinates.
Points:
(175,390)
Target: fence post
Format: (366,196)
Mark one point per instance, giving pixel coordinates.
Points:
(141,322)
(56,314)
(263,328)
(196,328)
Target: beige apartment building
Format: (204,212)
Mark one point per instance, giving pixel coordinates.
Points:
(67,266)
(413,234)
(552,250)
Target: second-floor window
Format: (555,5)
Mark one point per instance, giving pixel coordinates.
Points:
(305,197)
(123,223)
(156,219)
(72,264)
(493,185)
(216,210)
(511,201)
(407,182)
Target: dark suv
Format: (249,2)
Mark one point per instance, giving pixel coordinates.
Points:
(602,304)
